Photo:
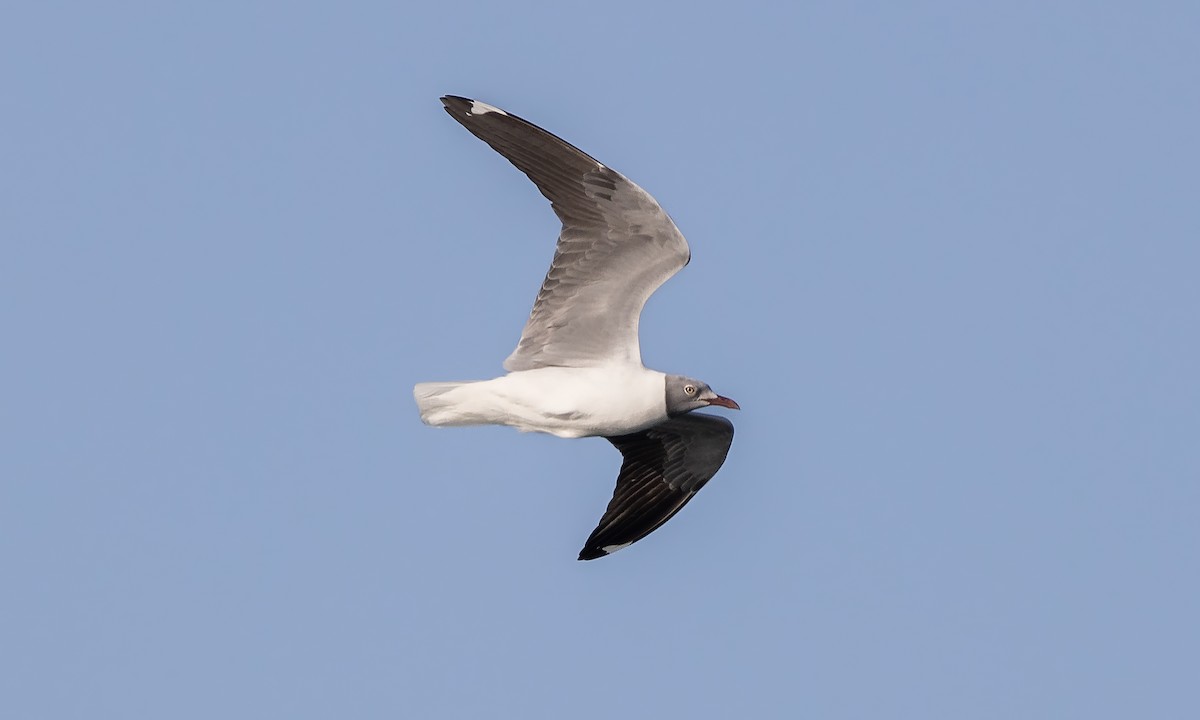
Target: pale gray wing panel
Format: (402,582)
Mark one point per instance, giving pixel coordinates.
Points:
(617,246)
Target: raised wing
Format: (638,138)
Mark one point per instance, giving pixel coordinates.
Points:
(663,468)
(617,246)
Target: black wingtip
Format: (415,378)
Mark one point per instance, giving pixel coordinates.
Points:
(455,102)
(591,553)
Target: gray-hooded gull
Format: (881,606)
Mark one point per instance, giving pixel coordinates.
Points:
(577,370)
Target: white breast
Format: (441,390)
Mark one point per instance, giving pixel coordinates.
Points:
(580,402)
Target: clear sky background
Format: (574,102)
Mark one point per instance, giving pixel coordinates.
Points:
(946,256)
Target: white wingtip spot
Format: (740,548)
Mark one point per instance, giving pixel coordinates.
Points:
(610,549)
(479,108)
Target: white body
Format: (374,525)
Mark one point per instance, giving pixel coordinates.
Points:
(568,402)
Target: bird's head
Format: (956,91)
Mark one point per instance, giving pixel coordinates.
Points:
(685,395)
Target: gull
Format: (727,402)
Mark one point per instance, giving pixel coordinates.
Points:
(577,370)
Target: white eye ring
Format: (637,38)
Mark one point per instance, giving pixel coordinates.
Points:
(689,389)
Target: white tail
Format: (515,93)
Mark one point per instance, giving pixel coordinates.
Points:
(449,403)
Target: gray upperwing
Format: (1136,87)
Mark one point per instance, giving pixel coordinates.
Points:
(617,246)
(663,468)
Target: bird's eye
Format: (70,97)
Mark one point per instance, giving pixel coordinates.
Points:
(689,389)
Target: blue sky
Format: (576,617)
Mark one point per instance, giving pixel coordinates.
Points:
(944,255)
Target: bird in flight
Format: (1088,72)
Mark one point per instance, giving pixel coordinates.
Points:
(577,370)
